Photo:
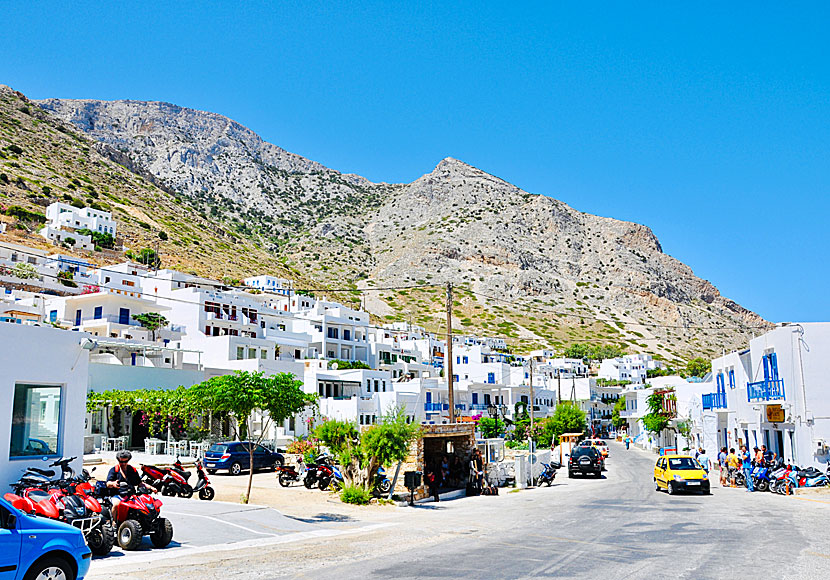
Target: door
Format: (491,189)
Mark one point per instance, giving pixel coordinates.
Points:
(9,546)
(779,442)
(77,318)
(659,470)
(124,316)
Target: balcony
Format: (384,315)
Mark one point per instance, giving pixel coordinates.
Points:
(767,390)
(478,407)
(714,401)
(432,407)
(111,318)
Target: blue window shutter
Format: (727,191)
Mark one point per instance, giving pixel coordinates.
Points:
(766,367)
(475,398)
(773,363)
(731,378)
(98,312)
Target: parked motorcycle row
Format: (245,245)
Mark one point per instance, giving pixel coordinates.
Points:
(325,475)
(783,479)
(106,519)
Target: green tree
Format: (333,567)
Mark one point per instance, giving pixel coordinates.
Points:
(698,367)
(491,427)
(152,321)
(105,240)
(361,453)
(243,394)
(567,418)
(656,419)
(146,256)
(616,419)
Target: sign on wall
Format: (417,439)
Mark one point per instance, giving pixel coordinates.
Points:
(775,414)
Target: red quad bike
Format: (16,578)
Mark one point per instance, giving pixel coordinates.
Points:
(202,487)
(139,514)
(62,503)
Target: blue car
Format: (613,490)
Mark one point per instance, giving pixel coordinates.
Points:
(233,456)
(35,547)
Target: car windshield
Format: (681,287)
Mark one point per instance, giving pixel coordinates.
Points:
(580,451)
(216,448)
(681,463)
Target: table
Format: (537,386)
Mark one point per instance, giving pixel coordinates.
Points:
(153,446)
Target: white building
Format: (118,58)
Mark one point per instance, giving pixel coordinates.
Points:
(632,368)
(774,393)
(62,215)
(46,403)
(269,284)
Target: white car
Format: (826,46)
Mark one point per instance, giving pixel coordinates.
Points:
(601,445)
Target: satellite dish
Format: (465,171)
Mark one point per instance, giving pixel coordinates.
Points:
(334,366)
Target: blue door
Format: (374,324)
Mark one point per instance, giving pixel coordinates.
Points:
(429,396)
(124,316)
(77,318)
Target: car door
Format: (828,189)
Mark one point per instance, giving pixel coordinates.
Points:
(9,546)
(262,457)
(242,454)
(658,470)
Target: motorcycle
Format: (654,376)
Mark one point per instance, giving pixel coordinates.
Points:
(548,473)
(382,483)
(760,478)
(138,514)
(286,475)
(168,481)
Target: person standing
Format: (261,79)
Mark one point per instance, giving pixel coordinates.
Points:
(627,441)
(722,466)
(703,459)
(733,463)
(746,465)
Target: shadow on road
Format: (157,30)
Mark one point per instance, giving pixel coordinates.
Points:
(324,518)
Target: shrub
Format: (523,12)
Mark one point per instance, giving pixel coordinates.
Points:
(14,149)
(355,495)
(163,235)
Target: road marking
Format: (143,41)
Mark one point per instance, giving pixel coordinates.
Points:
(227,523)
(810,499)
(820,555)
(154,556)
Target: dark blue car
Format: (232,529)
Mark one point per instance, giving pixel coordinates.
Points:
(35,547)
(233,456)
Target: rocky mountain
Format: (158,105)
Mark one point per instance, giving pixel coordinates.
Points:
(525,266)
(43,160)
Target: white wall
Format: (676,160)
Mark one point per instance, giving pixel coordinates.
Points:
(24,352)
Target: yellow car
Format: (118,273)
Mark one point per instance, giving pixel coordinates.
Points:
(676,473)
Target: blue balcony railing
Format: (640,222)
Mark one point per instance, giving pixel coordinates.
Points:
(478,407)
(460,407)
(768,390)
(432,407)
(714,401)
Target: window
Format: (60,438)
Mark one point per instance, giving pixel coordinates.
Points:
(491,378)
(263,354)
(465,360)
(53,315)
(36,421)
(252,353)
(240,352)
(731,378)
(98,312)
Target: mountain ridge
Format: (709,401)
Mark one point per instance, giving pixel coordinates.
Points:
(564,275)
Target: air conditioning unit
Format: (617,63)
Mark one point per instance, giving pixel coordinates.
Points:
(820,446)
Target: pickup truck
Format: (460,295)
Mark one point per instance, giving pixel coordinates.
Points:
(36,547)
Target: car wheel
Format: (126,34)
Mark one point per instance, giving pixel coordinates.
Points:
(670,488)
(130,535)
(656,485)
(570,474)
(235,469)
(51,567)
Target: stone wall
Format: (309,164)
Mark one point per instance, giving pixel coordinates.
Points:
(433,439)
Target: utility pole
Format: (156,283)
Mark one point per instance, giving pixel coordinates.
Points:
(531,405)
(558,386)
(450,394)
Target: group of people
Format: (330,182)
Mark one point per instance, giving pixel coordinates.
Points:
(445,471)
(730,463)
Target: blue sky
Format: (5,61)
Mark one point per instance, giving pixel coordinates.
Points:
(708,123)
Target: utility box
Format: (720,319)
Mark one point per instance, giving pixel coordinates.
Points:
(412,479)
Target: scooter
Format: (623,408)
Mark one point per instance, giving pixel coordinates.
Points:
(286,474)
(168,481)
(202,487)
(548,474)
(382,483)
(760,478)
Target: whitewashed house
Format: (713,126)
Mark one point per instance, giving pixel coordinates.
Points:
(774,393)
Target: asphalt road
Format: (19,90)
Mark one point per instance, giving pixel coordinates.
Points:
(617,527)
